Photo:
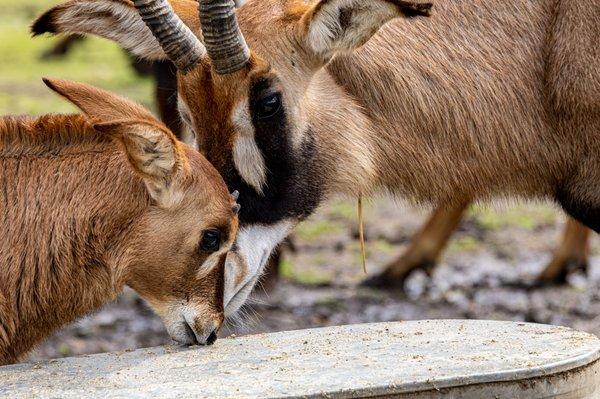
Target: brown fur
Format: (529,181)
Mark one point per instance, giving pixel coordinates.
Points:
(481,100)
(78,224)
(455,106)
(421,91)
(442,112)
(473,116)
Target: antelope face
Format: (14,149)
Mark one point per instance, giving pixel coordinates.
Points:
(255,103)
(172,251)
(179,266)
(266,151)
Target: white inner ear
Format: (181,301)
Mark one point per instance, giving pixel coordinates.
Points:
(362,19)
(152,152)
(247,158)
(166,196)
(323,29)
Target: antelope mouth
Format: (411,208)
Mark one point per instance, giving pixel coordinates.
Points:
(241,295)
(254,245)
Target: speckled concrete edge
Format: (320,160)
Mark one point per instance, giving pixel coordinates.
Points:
(581,361)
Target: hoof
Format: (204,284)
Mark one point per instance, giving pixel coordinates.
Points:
(550,281)
(391,278)
(381,281)
(557,276)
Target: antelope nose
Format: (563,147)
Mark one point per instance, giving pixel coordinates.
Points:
(212,338)
(201,334)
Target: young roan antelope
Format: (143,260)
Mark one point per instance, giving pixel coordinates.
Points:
(89,204)
(294,101)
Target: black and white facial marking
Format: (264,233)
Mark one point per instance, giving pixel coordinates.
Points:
(279,184)
(260,151)
(276,181)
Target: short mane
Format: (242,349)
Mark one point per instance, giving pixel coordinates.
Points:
(48,135)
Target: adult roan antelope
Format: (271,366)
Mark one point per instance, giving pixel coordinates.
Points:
(484,99)
(90,204)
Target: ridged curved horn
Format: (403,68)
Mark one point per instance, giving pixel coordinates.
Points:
(223,39)
(178,42)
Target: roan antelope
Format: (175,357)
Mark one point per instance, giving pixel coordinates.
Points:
(484,99)
(90,204)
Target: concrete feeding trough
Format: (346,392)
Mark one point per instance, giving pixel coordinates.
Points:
(464,359)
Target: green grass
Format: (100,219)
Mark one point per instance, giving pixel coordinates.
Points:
(10,9)
(524,216)
(381,246)
(344,209)
(464,244)
(314,230)
(309,276)
(95,61)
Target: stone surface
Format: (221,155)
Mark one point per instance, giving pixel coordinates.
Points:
(436,359)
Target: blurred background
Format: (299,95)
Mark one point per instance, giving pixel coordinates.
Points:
(487,271)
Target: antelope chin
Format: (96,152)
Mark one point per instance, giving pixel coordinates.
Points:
(246,262)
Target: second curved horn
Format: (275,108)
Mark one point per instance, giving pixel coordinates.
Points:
(224,41)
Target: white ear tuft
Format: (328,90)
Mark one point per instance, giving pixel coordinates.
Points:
(333,26)
(247,157)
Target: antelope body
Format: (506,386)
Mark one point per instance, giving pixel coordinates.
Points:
(82,215)
(306,99)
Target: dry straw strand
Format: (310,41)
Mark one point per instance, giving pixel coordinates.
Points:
(361,233)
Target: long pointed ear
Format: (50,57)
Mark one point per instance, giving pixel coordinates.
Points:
(116,20)
(334,26)
(100,105)
(153,150)
(156,155)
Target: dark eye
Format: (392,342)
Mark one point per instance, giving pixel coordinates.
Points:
(269,106)
(211,240)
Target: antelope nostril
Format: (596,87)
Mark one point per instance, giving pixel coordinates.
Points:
(211,338)
(190,332)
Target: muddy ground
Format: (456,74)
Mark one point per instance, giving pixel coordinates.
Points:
(484,273)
